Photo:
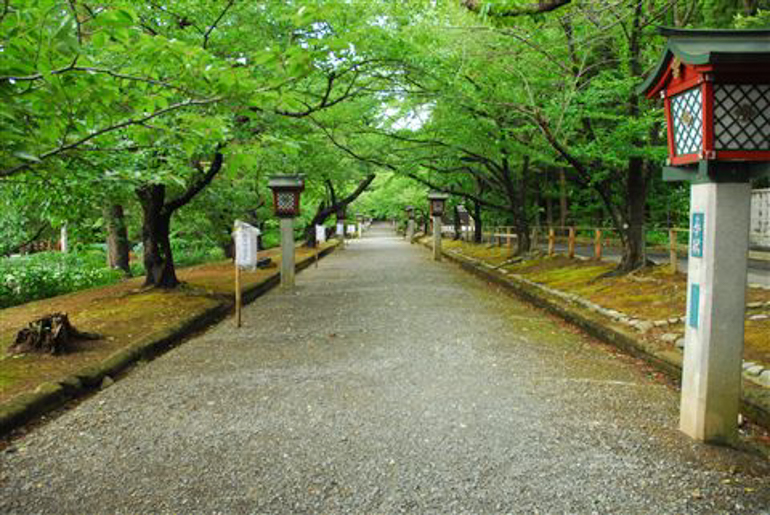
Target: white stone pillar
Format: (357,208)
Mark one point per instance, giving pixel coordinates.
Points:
(64,239)
(410,230)
(437,238)
(287,252)
(716,298)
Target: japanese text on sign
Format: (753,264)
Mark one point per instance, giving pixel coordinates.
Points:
(245,237)
(696,240)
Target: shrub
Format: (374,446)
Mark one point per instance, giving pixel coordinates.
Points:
(47,274)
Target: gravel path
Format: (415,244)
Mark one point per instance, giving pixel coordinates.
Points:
(385,383)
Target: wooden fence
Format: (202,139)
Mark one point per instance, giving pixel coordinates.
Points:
(670,240)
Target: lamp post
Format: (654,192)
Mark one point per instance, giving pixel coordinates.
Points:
(437,201)
(286,194)
(715,87)
(409,223)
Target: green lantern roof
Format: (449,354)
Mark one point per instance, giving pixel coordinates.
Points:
(694,46)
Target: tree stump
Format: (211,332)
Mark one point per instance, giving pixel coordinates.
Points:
(51,334)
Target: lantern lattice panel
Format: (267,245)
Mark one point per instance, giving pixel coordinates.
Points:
(285,202)
(687,114)
(742,116)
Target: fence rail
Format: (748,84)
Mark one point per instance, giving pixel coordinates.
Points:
(673,241)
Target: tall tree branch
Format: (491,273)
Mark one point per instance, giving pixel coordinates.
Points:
(95,134)
(543,6)
(196,187)
(214,25)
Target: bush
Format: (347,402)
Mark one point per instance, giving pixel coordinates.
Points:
(188,253)
(47,274)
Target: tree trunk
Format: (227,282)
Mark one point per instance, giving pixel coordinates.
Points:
(562,198)
(636,182)
(457,224)
(478,232)
(523,241)
(118,246)
(636,193)
(229,249)
(156,226)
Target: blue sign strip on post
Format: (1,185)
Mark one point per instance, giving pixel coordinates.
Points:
(694,305)
(696,240)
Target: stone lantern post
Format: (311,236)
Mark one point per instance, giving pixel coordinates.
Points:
(286,195)
(437,201)
(715,87)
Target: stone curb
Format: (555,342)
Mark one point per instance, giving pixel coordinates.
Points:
(48,396)
(755,403)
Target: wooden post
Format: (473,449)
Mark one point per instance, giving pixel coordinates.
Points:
(237,296)
(672,256)
(571,244)
(551,241)
(598,244)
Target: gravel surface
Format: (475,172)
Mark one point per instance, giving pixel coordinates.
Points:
(385,383)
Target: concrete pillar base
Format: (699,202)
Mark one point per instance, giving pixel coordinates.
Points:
(716,297)
(287,252)
(437,238)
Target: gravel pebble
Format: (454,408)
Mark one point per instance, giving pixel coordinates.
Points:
(384,383)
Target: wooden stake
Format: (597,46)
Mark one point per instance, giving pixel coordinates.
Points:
(571,247)
(598,244)
(672,256)
(237,296)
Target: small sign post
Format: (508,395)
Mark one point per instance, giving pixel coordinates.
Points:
(245,240)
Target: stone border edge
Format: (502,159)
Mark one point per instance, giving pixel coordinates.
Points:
(754,404)
(49,396)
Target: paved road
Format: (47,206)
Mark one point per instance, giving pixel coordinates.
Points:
(385,383)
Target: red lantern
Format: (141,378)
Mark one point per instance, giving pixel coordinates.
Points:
(437,201)
(716,88)
(286,194)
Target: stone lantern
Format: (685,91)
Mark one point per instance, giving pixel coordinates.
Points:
(715,86)
(437,202)
(286,196)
